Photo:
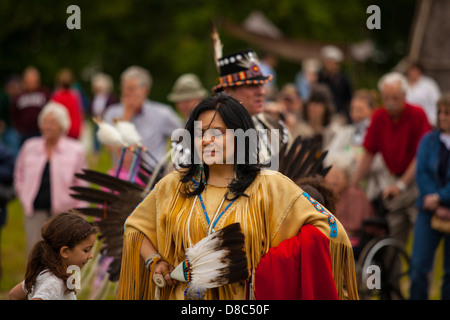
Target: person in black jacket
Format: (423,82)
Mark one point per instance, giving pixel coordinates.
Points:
(338,82)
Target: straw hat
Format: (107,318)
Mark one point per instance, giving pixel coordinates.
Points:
(187,87)
(332,52)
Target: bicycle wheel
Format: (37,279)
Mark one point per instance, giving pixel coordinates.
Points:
(384,271)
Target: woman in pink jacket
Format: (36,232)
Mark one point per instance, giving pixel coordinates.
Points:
(45,169)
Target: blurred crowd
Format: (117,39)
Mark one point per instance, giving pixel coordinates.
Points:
(373,136)
(388,148)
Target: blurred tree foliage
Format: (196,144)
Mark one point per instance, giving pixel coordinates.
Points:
(170,37)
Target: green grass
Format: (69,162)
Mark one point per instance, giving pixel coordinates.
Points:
(12,249)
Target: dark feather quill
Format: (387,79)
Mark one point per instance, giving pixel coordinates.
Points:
(115,202)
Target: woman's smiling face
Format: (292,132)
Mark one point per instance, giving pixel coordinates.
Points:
(81,253)
(212,137)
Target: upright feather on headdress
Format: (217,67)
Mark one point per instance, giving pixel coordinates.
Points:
(217,45)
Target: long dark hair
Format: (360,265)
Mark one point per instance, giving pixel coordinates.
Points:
(235,116)
(65,229)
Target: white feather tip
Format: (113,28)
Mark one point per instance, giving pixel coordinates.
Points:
(128,132)
(108,135)
(216,260)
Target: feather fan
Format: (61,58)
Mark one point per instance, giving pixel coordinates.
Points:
(128,132)
(214,261)
(117,203)
(108,134)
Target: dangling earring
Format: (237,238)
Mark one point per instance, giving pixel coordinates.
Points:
(201,175)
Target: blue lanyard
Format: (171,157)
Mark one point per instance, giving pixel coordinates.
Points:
(206,214)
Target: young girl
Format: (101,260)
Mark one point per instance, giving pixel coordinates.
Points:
(67,241)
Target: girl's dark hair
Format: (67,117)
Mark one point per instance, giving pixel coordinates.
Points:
(235,116)
(65,229)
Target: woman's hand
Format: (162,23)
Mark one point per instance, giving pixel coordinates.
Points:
(391,192)
(162,267)
(431,202)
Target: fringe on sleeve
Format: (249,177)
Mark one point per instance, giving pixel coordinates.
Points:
(343,268)
(134,281)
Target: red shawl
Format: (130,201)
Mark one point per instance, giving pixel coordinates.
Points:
(299,268)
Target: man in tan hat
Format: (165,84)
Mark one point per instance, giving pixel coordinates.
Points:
(336,79)
(186,93)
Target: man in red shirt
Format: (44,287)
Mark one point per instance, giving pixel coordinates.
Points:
(395,132)
(69,98)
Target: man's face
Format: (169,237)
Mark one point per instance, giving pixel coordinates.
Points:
(336,179)
(331,66)
(252,97)
(186,106)
(444,118)
(393,98)
(31,80)
(133,93)
(413,74)
(359,110)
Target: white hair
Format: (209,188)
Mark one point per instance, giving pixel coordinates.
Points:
(59,111)
(136,72)
(103,81)
(391,78)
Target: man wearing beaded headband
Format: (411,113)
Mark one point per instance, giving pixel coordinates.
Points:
(242,78)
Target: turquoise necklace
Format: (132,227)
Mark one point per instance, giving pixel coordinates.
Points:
(217,216)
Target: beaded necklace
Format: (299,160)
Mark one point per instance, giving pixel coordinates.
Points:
(214,220)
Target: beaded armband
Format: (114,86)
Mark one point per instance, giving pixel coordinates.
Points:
(151,258)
